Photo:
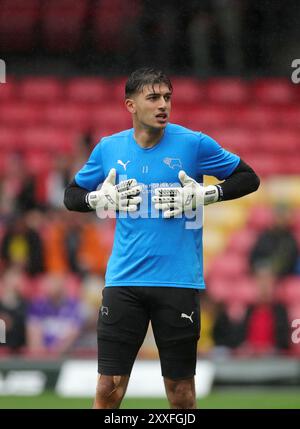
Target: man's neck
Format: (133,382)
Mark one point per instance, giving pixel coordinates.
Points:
(147,137)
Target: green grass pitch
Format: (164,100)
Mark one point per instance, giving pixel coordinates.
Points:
(226,399)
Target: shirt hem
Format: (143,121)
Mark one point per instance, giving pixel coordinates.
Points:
(164,284)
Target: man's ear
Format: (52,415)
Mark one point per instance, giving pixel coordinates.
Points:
(130,105)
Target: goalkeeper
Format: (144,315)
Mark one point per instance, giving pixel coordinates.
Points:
(151,178)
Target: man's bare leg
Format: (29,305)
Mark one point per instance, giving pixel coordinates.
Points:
(181,393)
(110,391)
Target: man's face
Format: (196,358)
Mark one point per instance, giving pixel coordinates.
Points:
(152,106)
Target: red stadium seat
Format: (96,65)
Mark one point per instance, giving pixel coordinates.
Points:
(48,140)
(290,290)
(9,139)
(20,114)
(293,313)
(118,89)
(5,160)
(242,241)
(236,140)
(229,91)
(100,132)
(278,141)
(289,164)
(91,90)
(113,116)
(68,115)
(292,285)
(296,219)
(255,116)
(273,91)
(289,117)
(188,91)
(38,162)
(8,91)
(266,164)
(240,290)
(260,217)
(47,89)
(219,289)
(230,266)
(63,24)
(210,116)
(244,291)
(180,115)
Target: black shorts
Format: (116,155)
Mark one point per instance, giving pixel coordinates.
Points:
(123,322)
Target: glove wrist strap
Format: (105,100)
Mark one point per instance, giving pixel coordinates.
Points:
(211,194)
(91,200)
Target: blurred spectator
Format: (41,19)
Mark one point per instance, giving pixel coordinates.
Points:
(54,320)
(57,180)
(229,331)
(260,328)
(276,247)
(77,244)
(85,144)
(26,197)
(13,308)
(17,188)
(72,242)
(22,246)
(208,315)
(53,241)
(96,244)
(90,301)
(268,329)
(81,152)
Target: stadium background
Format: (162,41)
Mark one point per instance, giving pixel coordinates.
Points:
(66,64)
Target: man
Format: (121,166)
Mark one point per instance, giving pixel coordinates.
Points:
(13,309)
(276,247)
(54,321)
(155,270)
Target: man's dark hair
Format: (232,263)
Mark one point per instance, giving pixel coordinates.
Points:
(145,76)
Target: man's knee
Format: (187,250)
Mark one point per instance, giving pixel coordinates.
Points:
(111,390)
(181,393)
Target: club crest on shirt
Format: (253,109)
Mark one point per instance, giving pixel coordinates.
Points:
(173,162)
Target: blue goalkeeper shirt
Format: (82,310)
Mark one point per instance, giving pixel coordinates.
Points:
(149,250)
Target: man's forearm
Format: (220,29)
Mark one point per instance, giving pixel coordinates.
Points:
(242,181)
(76,198)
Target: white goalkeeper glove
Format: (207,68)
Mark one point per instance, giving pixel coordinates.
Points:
(175,201)
(122,197)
